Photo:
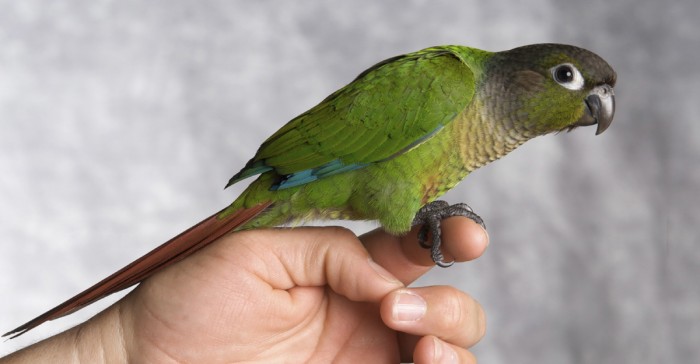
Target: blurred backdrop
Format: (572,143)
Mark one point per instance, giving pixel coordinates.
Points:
(120,122)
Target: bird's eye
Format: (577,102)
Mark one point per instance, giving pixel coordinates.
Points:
(564,74)
(568,76)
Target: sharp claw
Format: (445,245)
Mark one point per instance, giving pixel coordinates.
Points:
(442,264)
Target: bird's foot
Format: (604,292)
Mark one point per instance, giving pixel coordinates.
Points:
(430,217)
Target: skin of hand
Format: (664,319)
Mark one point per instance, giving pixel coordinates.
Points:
(288,295)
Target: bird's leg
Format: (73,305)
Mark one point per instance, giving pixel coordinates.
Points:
(430,217)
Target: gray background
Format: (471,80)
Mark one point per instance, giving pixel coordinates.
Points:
(120,121)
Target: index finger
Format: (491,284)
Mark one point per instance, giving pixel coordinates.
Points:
(402,256)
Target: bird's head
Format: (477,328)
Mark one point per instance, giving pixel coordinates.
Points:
(546,88)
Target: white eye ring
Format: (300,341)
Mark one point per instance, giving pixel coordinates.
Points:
(568,76)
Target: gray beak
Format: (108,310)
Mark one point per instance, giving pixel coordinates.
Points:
(600,108)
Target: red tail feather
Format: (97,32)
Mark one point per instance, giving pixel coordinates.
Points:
(166,254)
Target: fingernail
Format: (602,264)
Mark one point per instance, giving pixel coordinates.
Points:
(443,353)
(383,272)
(408,306)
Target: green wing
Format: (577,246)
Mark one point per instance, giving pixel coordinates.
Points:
(386,111)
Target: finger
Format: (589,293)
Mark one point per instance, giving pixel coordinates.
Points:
(441,311)
(430,349)
(463,240)
(310,257)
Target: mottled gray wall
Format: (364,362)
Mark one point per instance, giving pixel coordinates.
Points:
(120,121)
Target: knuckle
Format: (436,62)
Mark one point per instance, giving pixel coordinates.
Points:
(339,237)
(461,315)
(324,237)
(341,231)
(455,308)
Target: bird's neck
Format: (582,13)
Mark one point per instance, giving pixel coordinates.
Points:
(484,137)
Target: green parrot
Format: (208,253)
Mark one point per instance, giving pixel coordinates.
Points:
(392,141)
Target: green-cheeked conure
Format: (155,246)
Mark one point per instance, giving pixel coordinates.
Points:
(392,141)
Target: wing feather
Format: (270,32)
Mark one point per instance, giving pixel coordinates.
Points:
(386,111)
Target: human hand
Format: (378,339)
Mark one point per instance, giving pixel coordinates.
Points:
(303,294)
(298,295)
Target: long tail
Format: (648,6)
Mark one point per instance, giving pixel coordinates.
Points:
(172,251)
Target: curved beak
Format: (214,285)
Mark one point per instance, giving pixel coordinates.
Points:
(600,108)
